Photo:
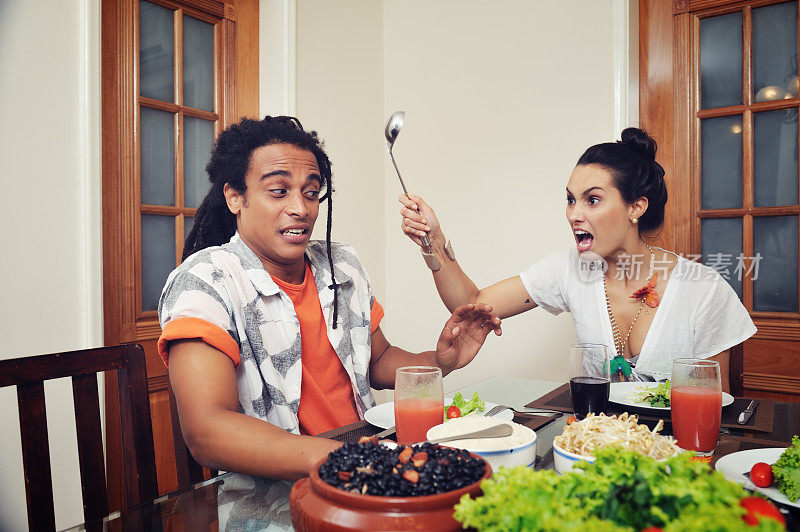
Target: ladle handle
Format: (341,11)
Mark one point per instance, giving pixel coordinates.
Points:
(426,243)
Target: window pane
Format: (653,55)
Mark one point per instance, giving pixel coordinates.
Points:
(721,247)
(198,64)
(775,158)
(157,157)
(721,163)
(775,280)
(721,61)
(775,51)
(188,222)
(198,137)
(158,256)
(156,52)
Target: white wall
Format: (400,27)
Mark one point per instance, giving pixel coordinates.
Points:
(501,99)
(50,215)
(339,93)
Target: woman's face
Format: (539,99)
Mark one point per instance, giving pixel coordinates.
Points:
(598,216)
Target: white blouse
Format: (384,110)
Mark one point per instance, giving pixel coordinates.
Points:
(699,315)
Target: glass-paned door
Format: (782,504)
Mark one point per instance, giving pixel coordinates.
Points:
(747,144)
(178,119)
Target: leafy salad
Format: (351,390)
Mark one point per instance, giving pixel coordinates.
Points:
(621,491)
(657,395)
(460,407)
(787,470)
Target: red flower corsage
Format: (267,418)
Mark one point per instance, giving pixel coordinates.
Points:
(648,292)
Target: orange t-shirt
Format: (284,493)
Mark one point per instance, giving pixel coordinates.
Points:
(326,394)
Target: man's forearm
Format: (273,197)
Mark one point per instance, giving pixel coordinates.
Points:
(231,441)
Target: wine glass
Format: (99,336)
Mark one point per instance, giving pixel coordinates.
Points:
(418,402)
(696,403)
(589,378)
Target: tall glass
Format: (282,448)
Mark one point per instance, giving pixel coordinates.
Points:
(418,402)
(696,404)
(589,378)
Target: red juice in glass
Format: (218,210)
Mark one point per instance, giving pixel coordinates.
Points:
(413,417)
(696,414)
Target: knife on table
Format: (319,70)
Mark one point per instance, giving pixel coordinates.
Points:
(744,417)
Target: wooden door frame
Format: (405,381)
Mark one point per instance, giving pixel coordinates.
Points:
(666,102)
(119,165)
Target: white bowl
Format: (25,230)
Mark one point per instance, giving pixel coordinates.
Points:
(500,452)
(565,460)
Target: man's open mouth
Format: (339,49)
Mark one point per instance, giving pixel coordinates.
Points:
(294,232)
(584,239)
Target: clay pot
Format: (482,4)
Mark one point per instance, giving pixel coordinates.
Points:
(318,506)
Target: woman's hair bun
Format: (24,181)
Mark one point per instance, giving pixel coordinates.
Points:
(639,141)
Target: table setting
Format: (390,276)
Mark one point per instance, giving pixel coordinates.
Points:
(737,449)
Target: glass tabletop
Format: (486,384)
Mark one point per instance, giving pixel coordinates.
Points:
(208,504)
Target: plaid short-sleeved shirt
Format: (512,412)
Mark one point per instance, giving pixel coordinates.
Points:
(224,294)
(227,294)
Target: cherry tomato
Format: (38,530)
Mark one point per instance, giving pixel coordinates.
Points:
(453,412)
(757,507)
(652,529)
(761,475)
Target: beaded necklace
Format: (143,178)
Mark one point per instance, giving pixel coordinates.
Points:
(648,294)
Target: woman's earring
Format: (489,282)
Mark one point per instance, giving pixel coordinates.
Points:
(635,221)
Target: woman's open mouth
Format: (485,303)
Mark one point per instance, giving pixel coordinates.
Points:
(584,239)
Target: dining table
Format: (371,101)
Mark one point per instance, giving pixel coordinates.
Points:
(196,507)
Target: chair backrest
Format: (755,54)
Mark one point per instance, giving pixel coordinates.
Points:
(189,471)
(28,375)
(736,370)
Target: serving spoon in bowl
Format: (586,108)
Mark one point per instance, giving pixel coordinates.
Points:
(496,431)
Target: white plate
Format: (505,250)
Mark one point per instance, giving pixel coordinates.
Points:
(735,465)
(383,415)
(619,394)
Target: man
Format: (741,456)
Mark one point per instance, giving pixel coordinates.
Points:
(271,338)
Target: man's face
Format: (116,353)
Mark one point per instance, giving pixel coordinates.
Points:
(276,214)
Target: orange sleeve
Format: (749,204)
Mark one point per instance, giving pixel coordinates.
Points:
(375,316)
(186,328)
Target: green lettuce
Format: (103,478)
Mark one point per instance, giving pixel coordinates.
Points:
(658,395)
(787,470)
(621,491)
(466,407)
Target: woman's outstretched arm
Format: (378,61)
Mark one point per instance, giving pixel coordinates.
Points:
(508,297)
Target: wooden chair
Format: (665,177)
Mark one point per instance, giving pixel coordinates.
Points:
(28,375)
(736,370)
(189,471)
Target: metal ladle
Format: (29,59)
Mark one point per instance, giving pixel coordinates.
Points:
(393,127)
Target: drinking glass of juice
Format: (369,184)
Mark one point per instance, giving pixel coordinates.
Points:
(696,404)
(418,402)
(589,378)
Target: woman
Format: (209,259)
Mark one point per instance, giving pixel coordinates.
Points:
(649,303)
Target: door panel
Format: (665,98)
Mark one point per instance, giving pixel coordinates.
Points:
(743,171)
(182,57)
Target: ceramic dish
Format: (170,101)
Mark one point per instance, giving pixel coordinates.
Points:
(382,415)
(618,393)
(318,506)
(735,465)
(510,451)
(565,460)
